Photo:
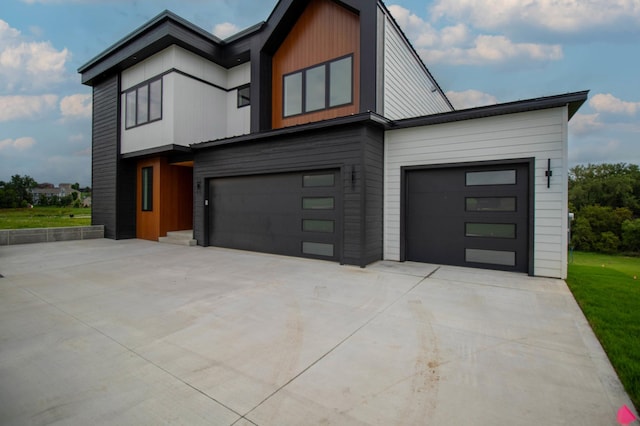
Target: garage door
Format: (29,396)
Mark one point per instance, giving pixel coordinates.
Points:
(294,214)
(472,216)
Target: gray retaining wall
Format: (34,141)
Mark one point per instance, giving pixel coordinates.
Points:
(10,237)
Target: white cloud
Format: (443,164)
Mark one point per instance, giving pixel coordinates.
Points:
(470,99)
(76,106)
(608,103)
(225,29)
(20,144)
(582,124)
(26,64)
(560,16)
(77,138)
(457,45)
(25,107)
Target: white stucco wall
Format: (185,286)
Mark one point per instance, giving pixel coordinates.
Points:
(539,134)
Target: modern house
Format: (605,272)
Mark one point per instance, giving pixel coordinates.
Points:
(320,133)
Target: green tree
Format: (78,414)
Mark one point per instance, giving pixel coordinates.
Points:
(611,185)
(17,192)
(599,228)
(631,235)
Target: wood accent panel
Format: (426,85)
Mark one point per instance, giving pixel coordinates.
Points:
(176,212)
(172,199)
(324,31)
(148,222)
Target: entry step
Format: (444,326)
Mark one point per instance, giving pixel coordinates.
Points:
(182,238)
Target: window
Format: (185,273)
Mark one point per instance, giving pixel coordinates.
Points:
(492,257)
(311,181)
(323,86)
(490,204)
(495,177)
(318,203)
(144,104)
(147,189)
(244,96)
(317,225)
(491,230)
(317,249)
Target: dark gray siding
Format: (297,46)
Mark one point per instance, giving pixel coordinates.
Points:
(113,182)
(354,149)
(105,155)
(374,205)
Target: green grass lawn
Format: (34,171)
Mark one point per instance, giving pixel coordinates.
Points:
(607,289)
(44,217)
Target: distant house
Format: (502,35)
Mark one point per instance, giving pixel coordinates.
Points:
(320,133)
(48,190)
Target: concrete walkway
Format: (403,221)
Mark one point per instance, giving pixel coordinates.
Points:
(139,333)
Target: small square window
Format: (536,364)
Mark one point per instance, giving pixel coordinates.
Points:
(244,96)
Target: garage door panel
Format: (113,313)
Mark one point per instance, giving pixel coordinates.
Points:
(474,216)
(277,213)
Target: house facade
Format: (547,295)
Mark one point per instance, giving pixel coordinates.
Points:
(320,133)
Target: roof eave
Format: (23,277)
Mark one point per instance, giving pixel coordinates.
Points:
(572,100)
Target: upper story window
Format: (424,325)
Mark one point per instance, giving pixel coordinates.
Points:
(144,103)
(244,96)
(322,86)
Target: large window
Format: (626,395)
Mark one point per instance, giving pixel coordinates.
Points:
(323,86)
(144,104)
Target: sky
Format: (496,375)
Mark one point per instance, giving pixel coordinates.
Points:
(481,52)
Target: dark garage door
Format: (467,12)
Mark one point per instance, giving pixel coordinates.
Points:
(294,214)
(472,216)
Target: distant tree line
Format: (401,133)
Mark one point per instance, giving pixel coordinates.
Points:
(18,193)
(605,199)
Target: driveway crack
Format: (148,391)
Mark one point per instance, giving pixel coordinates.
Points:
(340,343)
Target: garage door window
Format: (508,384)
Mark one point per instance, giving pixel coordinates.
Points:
(491,230)
(490,204)
(492,257)
(318,203)
(494,177)
(315,181)
(314,225)
(317,249)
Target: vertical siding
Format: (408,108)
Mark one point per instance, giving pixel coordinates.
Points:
(325,31)
(347,148)
(238,119)
(200,111)
(104,158)
(408,89)
(538,134)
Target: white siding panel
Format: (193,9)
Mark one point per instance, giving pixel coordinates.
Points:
(199,67)
(239,76)
(538,134)
(200,111)
(238,119)
(408,89)
(149,68)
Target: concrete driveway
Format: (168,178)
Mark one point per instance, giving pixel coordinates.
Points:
(139,333)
